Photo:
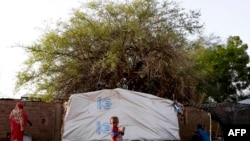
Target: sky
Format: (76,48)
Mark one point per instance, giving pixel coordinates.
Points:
(22,21)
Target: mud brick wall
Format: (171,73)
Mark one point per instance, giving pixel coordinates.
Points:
(193,117)
(45,118)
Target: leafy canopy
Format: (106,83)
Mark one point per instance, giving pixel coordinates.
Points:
(136,45)
(224,69)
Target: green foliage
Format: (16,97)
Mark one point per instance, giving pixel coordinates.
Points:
(223,69)
(105,42)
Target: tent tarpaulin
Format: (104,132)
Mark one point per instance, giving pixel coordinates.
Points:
(145,117)
(245,101)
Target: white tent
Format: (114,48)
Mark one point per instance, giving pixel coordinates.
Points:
(245,101)
(145,117)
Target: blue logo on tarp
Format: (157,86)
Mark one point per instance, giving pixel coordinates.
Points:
(103,103)
(102,128)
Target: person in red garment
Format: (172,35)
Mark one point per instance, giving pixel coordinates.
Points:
(18,120)
(116,132)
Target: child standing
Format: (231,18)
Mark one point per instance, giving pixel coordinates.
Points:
(116,132)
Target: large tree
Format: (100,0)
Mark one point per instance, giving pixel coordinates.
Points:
(223,69)
(136,45)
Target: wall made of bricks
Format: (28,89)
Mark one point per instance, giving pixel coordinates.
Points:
(193,117)
(47,121)
(42,115)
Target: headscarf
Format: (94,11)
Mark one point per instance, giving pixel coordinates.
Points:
(19,105)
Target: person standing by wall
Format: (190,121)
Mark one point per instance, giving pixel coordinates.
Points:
(116,132)
(202,133)
(18,120)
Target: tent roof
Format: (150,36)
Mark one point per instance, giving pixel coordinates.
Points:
(144,116)
(245,101)
(228,113)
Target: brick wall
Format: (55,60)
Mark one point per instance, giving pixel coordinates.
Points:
(43,116)
(193,117)
(47,120)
